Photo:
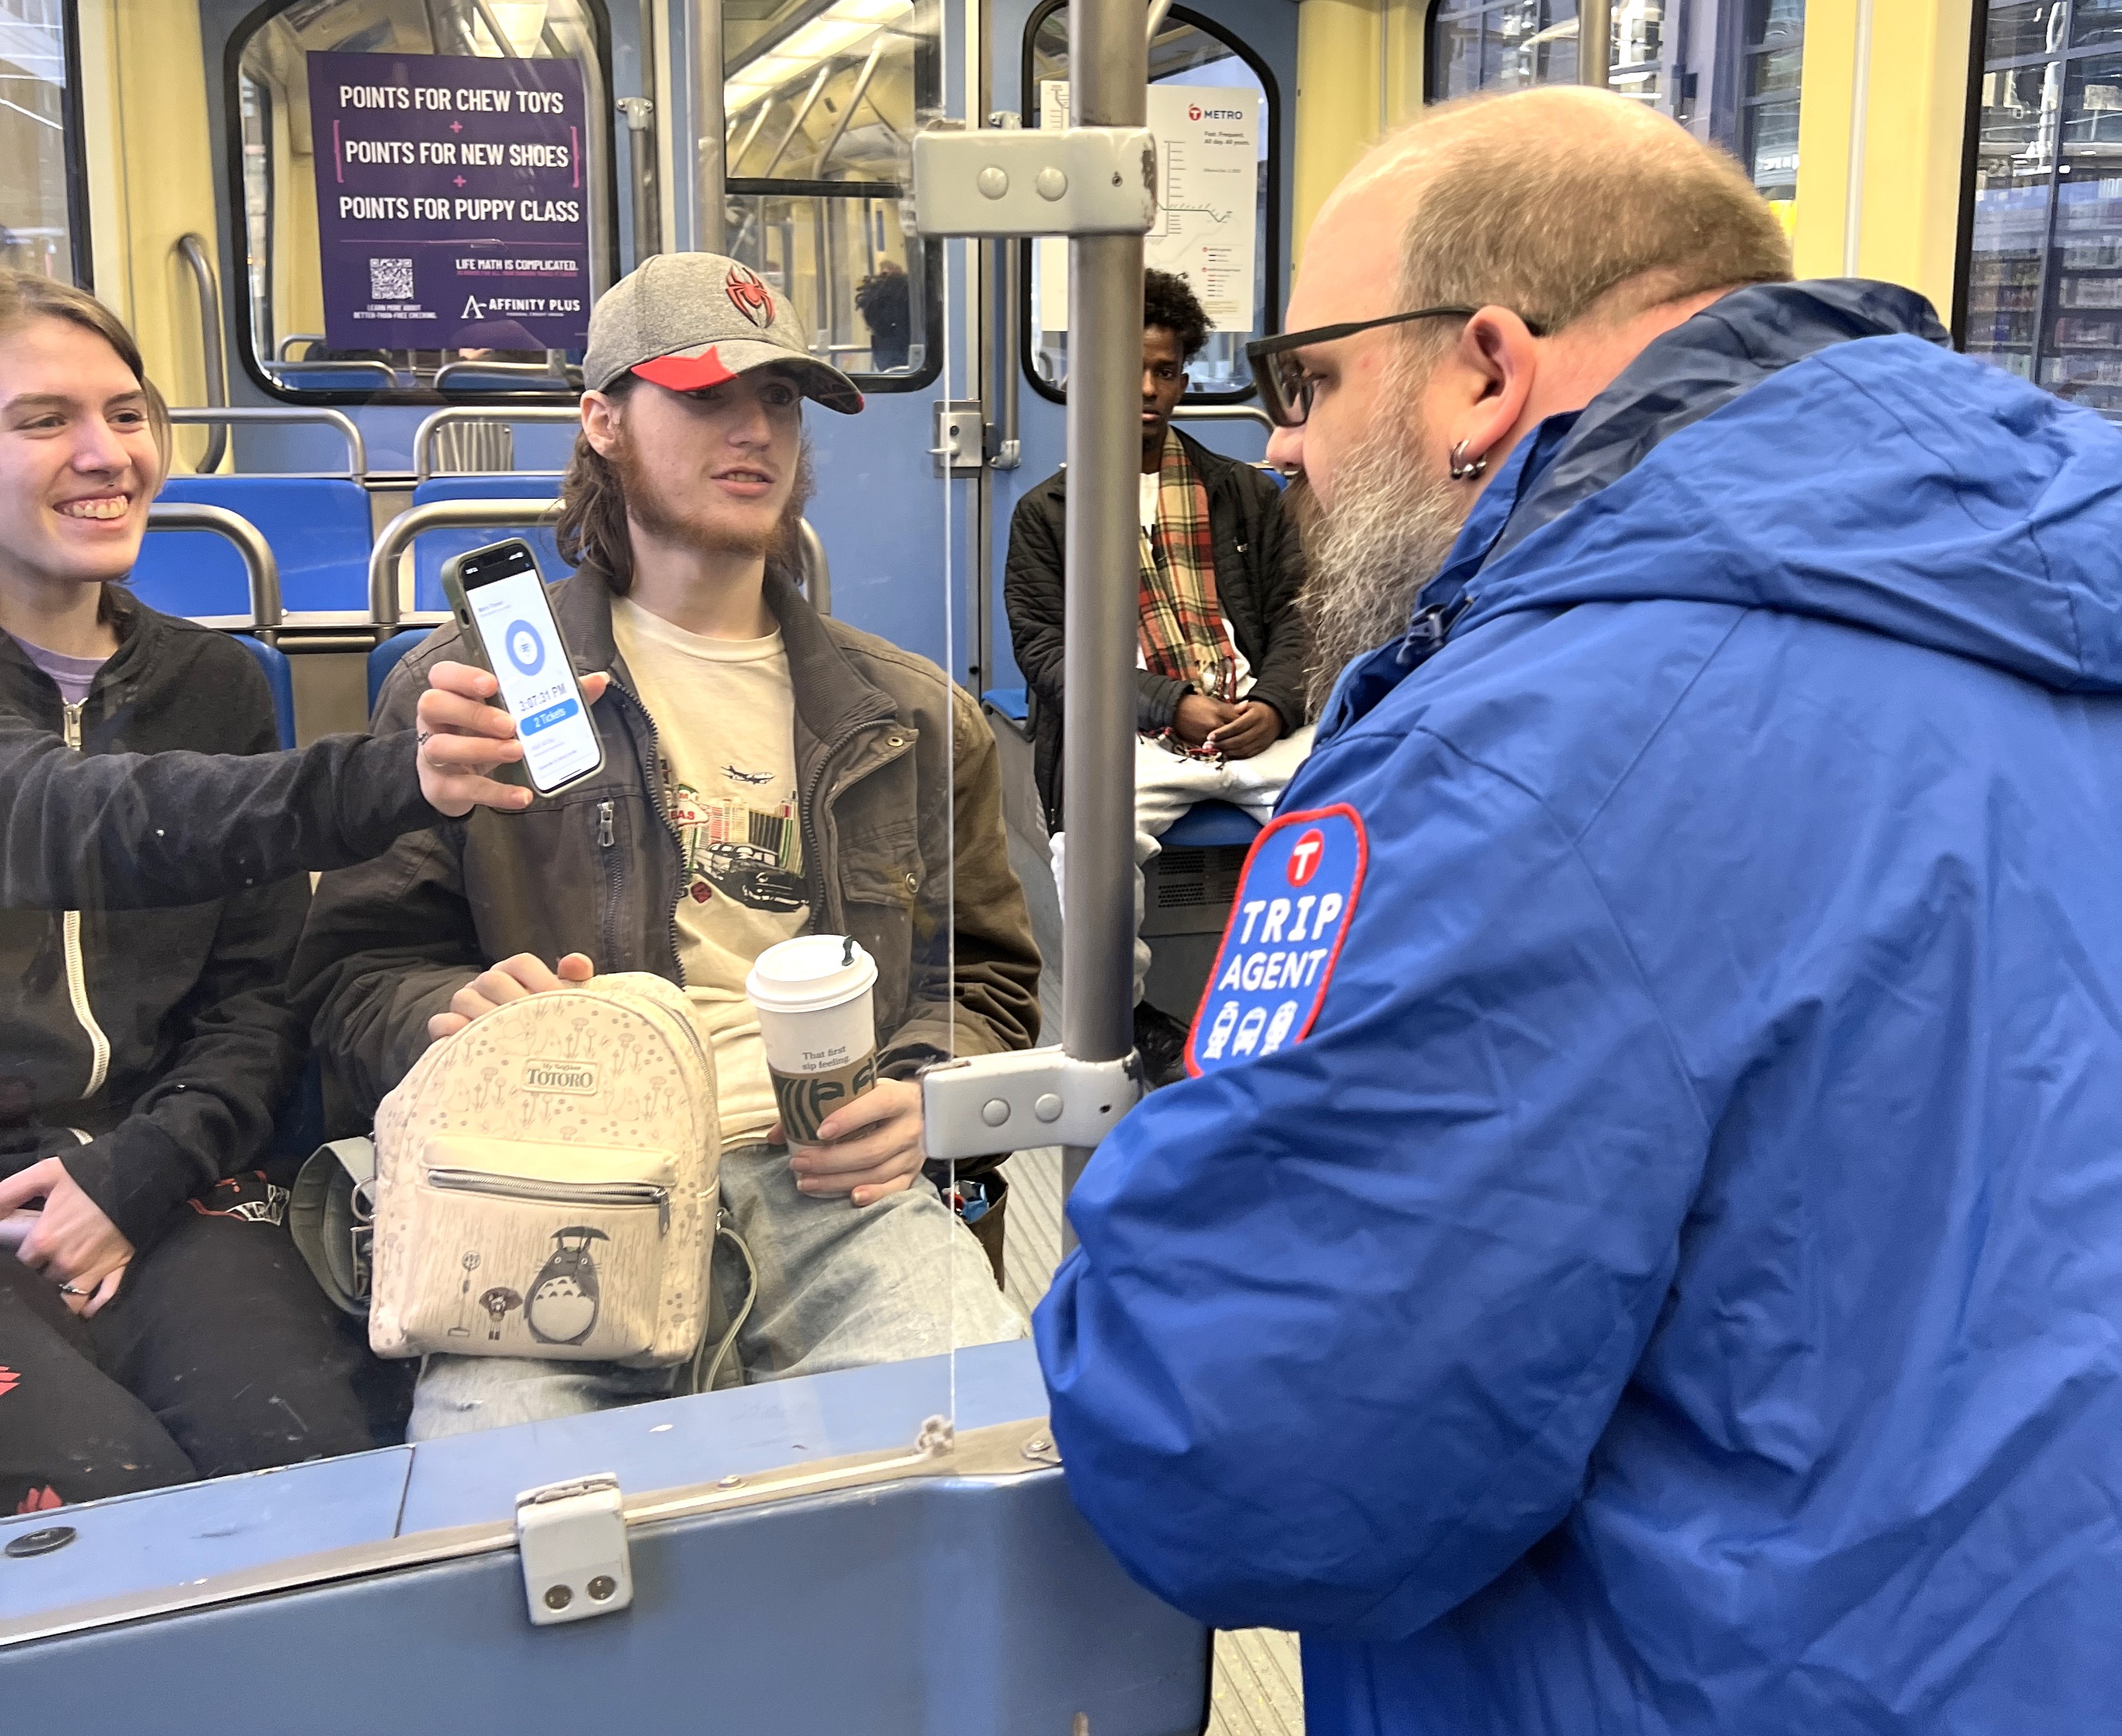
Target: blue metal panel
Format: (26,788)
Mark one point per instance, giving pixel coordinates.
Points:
(318,527)
(929,1606)
(880,511)
(141,1542)
(435,547)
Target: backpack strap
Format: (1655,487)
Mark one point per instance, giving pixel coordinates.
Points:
(329,1216)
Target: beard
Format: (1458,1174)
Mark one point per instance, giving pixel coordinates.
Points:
(683,522)
(1393,522)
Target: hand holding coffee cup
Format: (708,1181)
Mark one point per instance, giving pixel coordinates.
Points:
(848,1132)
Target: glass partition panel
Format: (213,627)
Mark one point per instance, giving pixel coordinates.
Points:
(636,1066)
(1218,126)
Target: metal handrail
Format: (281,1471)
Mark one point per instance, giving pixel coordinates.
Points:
(526,371)
(257,553)
(356,450)
(398,535)
(1224,413)
(192,251)
(817,573)
(384,376)
(280,349)
(423,439)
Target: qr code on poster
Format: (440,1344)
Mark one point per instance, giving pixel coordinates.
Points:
(390,280)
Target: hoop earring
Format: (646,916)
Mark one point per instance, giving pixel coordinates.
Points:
(1464,469)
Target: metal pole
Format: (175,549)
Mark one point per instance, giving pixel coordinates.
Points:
(1595,42)
(803,114)
(192,251)
(1108,86)
(710,128)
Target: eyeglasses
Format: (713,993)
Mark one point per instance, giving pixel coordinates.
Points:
(1284,387)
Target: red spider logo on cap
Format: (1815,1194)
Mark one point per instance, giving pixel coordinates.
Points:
(751,297)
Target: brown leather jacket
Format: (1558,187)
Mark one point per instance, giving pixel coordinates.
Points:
(901,801)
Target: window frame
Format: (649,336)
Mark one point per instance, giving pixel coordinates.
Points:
(73,148)
(234,266)
(1271,254)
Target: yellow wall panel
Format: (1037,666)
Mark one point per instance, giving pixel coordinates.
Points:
(1337,106)
(164,186)
(1905,140)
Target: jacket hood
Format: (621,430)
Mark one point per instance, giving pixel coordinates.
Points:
(1813,448)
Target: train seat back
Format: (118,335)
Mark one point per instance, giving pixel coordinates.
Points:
(435,547)
(319,528)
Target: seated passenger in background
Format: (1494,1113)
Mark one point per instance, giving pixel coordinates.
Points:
(156,1324)
(767,772)
(1219,694)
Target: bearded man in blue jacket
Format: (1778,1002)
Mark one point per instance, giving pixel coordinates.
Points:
(1666,1275)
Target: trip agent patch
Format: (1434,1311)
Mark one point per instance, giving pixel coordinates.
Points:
(1295,901)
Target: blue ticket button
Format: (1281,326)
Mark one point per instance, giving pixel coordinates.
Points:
(547,718)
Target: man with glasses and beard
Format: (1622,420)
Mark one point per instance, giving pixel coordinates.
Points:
(768,772)
(1645,1250)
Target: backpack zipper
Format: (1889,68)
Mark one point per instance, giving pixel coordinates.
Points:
(77,968)
(557,1193)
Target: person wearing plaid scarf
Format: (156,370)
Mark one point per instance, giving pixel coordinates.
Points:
(1221,649)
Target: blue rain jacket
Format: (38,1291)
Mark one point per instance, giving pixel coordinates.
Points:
(1677,1286)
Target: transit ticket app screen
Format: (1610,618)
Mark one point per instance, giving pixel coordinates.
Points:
(559,741)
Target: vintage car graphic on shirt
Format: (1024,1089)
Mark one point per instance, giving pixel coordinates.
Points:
(753,855)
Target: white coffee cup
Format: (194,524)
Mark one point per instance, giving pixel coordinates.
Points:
(812,996)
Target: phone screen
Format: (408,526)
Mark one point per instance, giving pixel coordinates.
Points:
(523,648)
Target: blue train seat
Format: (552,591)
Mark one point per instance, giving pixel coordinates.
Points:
(438,546)
(1209,824)
(318,528)
(1012,703)
(274,662)
(385,658)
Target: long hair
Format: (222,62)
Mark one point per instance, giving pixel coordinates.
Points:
(24,296)
(592,529)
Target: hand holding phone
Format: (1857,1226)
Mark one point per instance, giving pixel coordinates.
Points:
(499,599)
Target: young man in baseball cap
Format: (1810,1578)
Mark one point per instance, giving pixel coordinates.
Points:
(768,772)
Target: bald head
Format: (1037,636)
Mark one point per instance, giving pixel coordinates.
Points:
(1556,202)
(1578,225)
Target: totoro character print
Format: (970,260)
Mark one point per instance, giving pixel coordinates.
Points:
(563,1304)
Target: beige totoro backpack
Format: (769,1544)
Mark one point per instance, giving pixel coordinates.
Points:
(545,1182)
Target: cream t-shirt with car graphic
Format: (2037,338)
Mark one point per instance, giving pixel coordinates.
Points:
(725,718)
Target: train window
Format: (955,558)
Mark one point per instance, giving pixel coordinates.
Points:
(1217,116)
(41,207)
(822,103)
(2042,275)
(1509,44)
(422,186)
(1768,132)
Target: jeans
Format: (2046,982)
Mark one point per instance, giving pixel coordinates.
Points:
(218,1354)
(839,1288)
(1168,785)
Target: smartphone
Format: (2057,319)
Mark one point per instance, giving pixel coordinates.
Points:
(499,599)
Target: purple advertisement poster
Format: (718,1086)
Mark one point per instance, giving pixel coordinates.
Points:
(453,201)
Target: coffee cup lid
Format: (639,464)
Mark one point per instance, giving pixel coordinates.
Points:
(809,972)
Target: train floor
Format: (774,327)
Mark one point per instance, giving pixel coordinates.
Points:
(1257,1689)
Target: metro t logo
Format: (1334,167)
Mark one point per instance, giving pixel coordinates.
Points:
(1305,856)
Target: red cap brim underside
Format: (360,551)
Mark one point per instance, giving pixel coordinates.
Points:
(684,373)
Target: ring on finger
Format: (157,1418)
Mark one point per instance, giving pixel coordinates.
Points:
(72,1289)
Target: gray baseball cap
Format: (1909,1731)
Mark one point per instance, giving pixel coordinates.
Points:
(687,320)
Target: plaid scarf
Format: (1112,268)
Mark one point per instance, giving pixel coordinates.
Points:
(1181,628)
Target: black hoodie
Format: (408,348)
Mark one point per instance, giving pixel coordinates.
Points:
(149,1049)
